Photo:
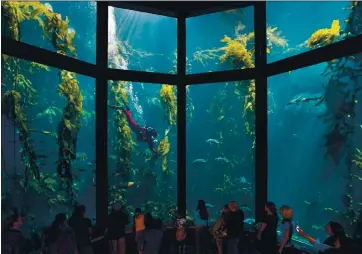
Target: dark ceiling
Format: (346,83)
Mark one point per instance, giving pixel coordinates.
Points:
(177,8)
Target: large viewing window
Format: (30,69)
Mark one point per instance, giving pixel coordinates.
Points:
(220,146)
(314,137)
(142,122)
(145,41)
(48,130)
(220,41)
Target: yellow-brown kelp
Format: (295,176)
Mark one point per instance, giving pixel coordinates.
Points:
(163,149)
(358,159)
(169,103)
(57,31)
(249,110)
(237,53)
(69,126)
(324,36)
(344,82)
(11,102)
(124,140)
(240,53)
(11,18)
(13,110)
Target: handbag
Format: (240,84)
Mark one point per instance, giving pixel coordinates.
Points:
(221,232)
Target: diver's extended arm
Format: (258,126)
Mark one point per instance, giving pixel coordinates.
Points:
(115,107)
(150,145)
(123,107)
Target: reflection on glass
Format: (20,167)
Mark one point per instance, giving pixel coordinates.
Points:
(142,147)
(315,143)
(141,41)
(48,130)
(56,26)
(220,146)
(220,41)
(327,22)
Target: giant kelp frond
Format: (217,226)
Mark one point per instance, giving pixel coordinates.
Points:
(69,126)
(13,111)
(54,27)
(324,36)
(358,159)
(274,38)
(69,88)
(341,96)
(236,51)
(169,103)
(163,149)
(124,139)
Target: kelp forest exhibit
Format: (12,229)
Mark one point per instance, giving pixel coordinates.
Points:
(177,134)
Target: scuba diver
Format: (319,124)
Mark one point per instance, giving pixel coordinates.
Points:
(144,133)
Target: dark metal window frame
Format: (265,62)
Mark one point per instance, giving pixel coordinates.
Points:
(102,73)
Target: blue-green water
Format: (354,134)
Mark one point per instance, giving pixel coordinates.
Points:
(220,129)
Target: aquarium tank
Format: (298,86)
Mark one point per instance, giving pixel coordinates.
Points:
(314,114)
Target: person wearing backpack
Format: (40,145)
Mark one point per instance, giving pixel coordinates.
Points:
(201,218)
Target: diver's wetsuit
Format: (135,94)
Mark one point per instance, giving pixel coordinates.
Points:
(141,132)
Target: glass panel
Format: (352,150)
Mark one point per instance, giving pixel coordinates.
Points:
(315,144)
(220,41)
(141,41)
(220,147)
(48,127)
(291,33)
(142,150)
(56,26)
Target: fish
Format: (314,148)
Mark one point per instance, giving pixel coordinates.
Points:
(328,209)
(241,179)
(222,160)
(307,202)
(91,163)
(127,185)
(308,103)
(246,209)
(41,156)
(209,206)
(213,141)
(316,227)
(249,220)
(113,157)
(199,161)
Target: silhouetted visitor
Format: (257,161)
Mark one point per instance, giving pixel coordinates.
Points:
(12,240)
(219,229)
(139,228)
(61,238)
(267,230)
(152,236)
(82,228)
(201,217)
(234,222)
(336,242)
(183,243)
(116,229)
(287,228)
